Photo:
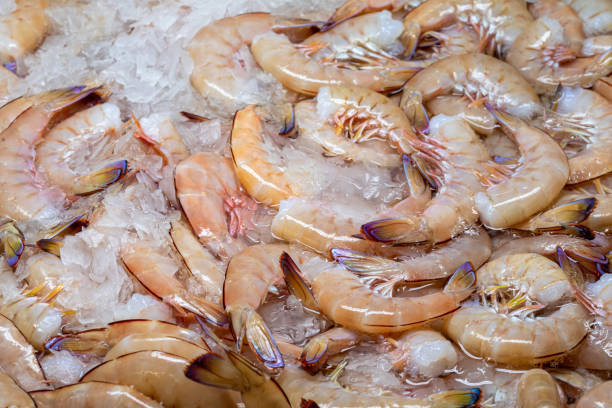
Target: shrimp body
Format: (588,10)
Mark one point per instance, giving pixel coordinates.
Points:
(292,68)
(93,394)
(353,8)
(451,40)
(263,180)
(13,396)
(543,171)
(546,245)
(537,389)
(23,30)
(597,397)
(476,76)
(142,342)
(424,354)
(596,15)
(477,116)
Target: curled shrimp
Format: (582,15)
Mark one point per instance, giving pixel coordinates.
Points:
(13,396)
(537,388)
(478,77)
(502,329)
(23,29)
(305,75)
(423,353)
(353,8)
(596,397)
(218,75)
(324,345)
(541,174)
(585,116)
(451,40)
(595,14)
(20,361)
(498,22)
(342,297)
(454,154)
(263,180)
(210,194)
(93,393)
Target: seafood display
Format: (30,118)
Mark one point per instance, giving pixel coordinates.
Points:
(288,204)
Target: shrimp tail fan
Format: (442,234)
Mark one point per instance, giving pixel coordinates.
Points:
(314,354)
(362,263)
(211,312)
(101,178)
(73,98)
(260,339)
(464,279)
(562,216)
(296,283)
(394,230)
(217,371)
(456,398)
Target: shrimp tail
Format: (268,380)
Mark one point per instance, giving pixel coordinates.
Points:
(586,257)
(394,230)
(296,283)
(463,279)
(362,263)
(211,312)
(77,345)
(260,339)
(101,178)
(564,215)
(212,369)
(576,279)
(288,121)
(12,243)
(51,246)
(456,398)
(314,354)
(345,12)
(60,99)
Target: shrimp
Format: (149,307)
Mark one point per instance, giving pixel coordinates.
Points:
(218,75)
(301,387)
(597,397)
(498,22)
(455,155)
(60,147)
(8,81)
(19,361)
(585,116)
(537,388)
(541,174)
(160,376)
(98,342)
(264,181)
(496,332)
(156,271)
(300,73)
(596,15)
(24,195)
(23,29)
(353,8)
(93,394)
(568,20)
(214,203)
(343,298)
(476,76)
(13,396)
(451,40)
(479,118)
(440,262)
(423,354)
(142,342)
(324,345)
(542,58)
(603,86)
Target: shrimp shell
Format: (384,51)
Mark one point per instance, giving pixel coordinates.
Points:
(13,396)
(93,394)
(597,397)
(23,30)
(537,389)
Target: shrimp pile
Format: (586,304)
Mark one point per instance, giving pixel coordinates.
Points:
(360,203)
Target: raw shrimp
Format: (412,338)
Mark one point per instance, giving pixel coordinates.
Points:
(451,40)
(300,73)
(343,298)
(157,272)
(300,386)
(596,15)
(570,22)
(217,208)
(497,332)
(455,155)
(587,118)
(164,137)
(440,262)
(201,263)
(542,58)
(13,396)
(597,397)
(24,195)
(603,86)
(477,76)
(479,118)
(316,132)
(324,345)
(98,342)
(218,75)
(152,341)
(498,22)
(93,394)
(23,29)
(263,180)
(160,376)
(537,389)
(353,8)
(8,81)
(423,354)
(19,360)
(541,174)
(63,144)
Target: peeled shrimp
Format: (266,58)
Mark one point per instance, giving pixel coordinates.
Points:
(210,193)
(498,22)
(93,394)
(597,397)
(536,389)
(541,174)
(596,15)
(296,71)
(455,154)
(11,395)
(263,180)
(23,29)
(586,117)
(423,354)
(19,361)
(477,76)
(505,336)
(160,376)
